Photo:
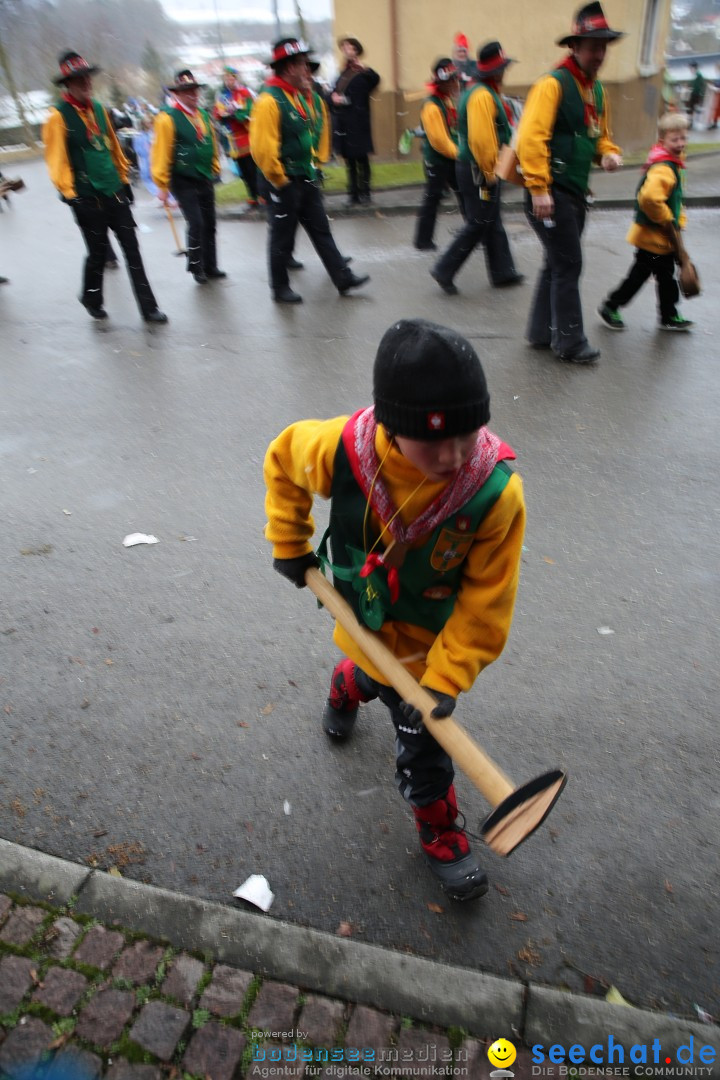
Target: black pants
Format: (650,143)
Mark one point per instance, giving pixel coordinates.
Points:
(483,225)
(423,770)
(300,203)
(247,170)
(439,177)
(556,313)
(358,178)
(196,199)
(95,216)
(662,267)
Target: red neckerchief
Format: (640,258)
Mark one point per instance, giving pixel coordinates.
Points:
(193,116)
(448,102)
(659,153)
(588,88)
(87,114)
(508,111)
(277,80)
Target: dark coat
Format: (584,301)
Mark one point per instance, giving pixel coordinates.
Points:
(352,133)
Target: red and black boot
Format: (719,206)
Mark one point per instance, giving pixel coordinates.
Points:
(341,708)
(446,849)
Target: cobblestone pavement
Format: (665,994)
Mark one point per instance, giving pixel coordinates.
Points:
(84,1000)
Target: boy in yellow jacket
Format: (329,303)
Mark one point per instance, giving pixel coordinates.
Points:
(658,211)
(426,528)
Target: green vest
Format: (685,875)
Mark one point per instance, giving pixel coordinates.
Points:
(573,146)
(296,137)
(191,157)
(430,576)
(675,199)
(317,119)
(502,125)
(90,158)
(429,153)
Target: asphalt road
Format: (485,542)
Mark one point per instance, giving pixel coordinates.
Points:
(162,703)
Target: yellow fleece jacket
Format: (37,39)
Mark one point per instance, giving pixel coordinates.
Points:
(482,132)
(163,149)
(54,136)
(299,465)
(536,130)
(436,129)
(265,139)
(652,198)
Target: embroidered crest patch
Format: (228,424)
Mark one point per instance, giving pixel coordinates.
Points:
(450,550)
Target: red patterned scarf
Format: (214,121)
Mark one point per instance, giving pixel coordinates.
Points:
(468,480)
(588,90)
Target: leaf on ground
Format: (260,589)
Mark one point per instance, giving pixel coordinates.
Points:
(615,997)
(267,710)
(127,853)
(114,872)
(668,886)
(436,908)
(502,890)
(17,808)
(241,723)
(548,560)
(529,955)
(518,916)
(345,929)
(60,1041)
(108,661)
(100,832)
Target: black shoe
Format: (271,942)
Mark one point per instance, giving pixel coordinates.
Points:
(95,311)
(201,277)
(586,355)
(516,279)
(156,316)
(287,296)
(448,287)
(677,323)
(539,345)
(295,264)
(353,282)
(350,204)
(338,723)
(463,879)
(347,259)
(215,274)
(4,281)
(112,264)
(426,247)
(611,316)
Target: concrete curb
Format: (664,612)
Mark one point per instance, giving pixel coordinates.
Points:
(423,989)
(403,206)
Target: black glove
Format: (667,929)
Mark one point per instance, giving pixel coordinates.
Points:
(413,716)
(294,569)
(129,194)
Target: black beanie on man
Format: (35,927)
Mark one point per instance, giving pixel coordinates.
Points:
(428,382)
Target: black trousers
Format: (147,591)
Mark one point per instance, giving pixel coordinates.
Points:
(247,170)
(556,312)
(483,225)
(196,198)
(439,177)
(300,203)
(358,178)
(423,770)
(95,216)
(662,268)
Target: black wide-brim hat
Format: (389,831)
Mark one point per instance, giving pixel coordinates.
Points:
(287,49)
(492,60)
(590,24)
(185,80)
(73,66)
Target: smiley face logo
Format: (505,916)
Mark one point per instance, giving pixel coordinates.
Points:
(502,1053)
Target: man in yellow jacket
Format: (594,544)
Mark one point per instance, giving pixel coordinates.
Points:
(426,528)
(483,127)
(564,128)
(439,121)
(91,173)
(282,143)
(185,162)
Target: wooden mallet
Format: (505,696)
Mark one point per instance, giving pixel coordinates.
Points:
(180,250)
(517,812)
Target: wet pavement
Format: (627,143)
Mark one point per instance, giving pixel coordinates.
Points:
(161,704)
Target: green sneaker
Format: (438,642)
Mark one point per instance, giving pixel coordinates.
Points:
(611,317)
(677,323)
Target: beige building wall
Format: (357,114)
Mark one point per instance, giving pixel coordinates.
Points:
(402,38)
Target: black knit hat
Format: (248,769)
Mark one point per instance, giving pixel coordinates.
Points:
(428,382)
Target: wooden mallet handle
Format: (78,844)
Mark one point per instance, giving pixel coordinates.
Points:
(517,812)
